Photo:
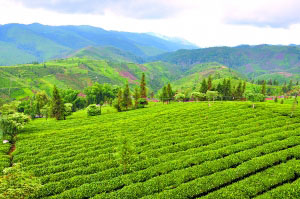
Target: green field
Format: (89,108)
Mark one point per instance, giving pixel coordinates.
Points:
(180,150)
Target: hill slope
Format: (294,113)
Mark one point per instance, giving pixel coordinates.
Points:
(213,152)
(253,61)
(106,53)
(36,42)
(192,78)
(77,73)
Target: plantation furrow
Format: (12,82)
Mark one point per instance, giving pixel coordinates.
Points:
(260,182)
(177,177)
(287,190)
(168,167)
(242,138)
(198,187)
(56,156)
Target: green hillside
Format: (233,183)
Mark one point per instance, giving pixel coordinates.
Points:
(192,78)
(77,73)
(253,61)
(106,53)
(181,150)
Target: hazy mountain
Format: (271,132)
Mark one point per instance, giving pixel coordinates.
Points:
(21,43)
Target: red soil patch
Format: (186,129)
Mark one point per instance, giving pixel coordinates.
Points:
(286,74)
(131,78)
(142,67)
(127,75)
(81,95)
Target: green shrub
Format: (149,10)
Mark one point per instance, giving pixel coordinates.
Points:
(13,123)
(68,109)
(93,110)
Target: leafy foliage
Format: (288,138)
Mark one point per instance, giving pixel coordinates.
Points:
(17,184)
(93,110)
(11,124)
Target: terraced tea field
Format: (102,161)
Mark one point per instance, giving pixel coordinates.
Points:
(181,150)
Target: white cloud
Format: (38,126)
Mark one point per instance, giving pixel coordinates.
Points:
(274,13)
(204,22)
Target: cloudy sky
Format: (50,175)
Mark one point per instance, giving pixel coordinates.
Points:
(203,22)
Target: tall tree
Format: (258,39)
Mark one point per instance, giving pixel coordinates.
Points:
(118,101)
(270,82)
(143,88)
(170,92)
(136,96)
(126,100)
(239,90)
(164,94)
(290,86)
(57,106)
(204,87)
(263,89)
(244,87)
(209,83)
(41,101)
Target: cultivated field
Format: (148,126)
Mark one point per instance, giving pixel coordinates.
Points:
(180,150)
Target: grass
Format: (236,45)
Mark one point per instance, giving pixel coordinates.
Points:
(180,150)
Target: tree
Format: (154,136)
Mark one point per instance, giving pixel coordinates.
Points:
(170,94)
(290,86)
(254,97)
(79,103)
(57,105)
(198,96)
(270,82)
(136,96)
(142,102)
(45,111)
(126,153)
(17,184)
(220,88)
(164,95)
(239,90)
(263,89)
(204,86)
(41,100)
(118,102)
(209,83)
(126,99)
(211,95)
(143,88)
(244,88)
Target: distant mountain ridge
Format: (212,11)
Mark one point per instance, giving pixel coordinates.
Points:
(253,61)
(21,43)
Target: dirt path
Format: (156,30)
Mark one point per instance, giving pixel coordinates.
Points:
(11,150)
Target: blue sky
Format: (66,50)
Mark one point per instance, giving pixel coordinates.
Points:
(203,22)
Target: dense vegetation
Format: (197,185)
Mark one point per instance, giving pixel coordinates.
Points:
(178,150)
(257,62)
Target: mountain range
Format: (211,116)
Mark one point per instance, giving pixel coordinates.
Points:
(21,43)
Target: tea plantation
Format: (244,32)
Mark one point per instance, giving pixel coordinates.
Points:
(180,150)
